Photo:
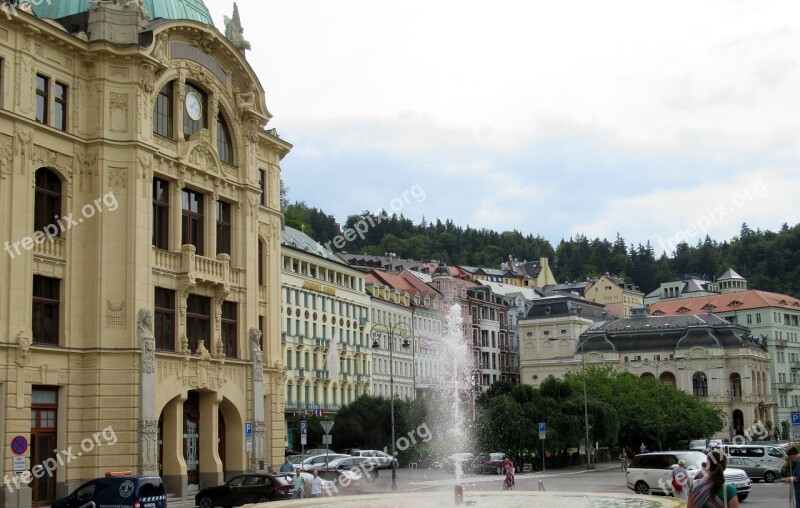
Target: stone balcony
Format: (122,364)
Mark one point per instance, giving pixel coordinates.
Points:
(196,267)
(53,247)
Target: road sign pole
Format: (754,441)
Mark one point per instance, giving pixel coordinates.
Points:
(542,455)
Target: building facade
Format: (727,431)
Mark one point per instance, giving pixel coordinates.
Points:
(703,355)
(773,318)
(324,330)
(618,297)
(139,208)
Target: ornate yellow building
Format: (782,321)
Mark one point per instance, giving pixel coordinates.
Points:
(140,270)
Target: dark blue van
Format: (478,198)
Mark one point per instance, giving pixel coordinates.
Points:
(118,491)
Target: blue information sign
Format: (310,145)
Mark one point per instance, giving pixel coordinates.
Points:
(542,427)
(303,427)
(248,429)
(795,418)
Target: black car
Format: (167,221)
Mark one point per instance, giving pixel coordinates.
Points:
(243,489)
(118,490)
(488,463)
(362,469)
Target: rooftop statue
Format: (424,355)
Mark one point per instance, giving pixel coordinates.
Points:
(234,30)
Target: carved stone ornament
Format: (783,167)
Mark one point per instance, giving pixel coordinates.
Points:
(23,353)
(147,77)
(6,155)
(115,315)
(203,40)
(257,355)
(234,31)
(148,446)
(148,340)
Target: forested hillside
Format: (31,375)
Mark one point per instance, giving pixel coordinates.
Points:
(769,260)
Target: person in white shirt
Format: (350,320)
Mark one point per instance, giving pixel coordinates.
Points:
(316,485)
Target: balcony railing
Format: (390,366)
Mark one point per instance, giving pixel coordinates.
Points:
(52,247)
(783,386)
(794,365)
(780,343)
(188,262)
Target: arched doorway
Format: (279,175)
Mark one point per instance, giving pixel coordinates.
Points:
(738,423)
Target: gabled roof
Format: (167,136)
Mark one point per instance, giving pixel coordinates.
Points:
(739,300)
(413,279)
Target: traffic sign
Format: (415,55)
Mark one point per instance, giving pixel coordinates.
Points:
(19,445)
(542,431)
(303,440)
(248,430)
(18,464)
(327,439)
(795,418)
(303,428)
(327,425)
(795,434)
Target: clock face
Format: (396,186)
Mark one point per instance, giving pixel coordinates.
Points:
(194,107)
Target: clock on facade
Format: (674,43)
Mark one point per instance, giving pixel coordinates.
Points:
(194,107)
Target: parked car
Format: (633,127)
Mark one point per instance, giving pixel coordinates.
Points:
(350,473)
(318,461)
(382,459)
(649,473)
(318,451)
(488,463)
(121,490)
(463,458)
(698,445)
(773,457)
(755,470)
(244,489)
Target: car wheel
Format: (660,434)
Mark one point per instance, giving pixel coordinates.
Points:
(743,496)
(263,499)
(205,502)
(641,488)
(770,476)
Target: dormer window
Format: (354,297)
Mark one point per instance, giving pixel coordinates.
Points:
(683,309)
(735,303)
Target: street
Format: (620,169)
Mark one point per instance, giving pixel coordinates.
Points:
(606,479)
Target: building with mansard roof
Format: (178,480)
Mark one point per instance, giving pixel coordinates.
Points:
(140,225)
(773,318)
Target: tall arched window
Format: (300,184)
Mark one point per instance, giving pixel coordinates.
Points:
(736,386)
(163,117)
(700,384)
(47,202)
(224,145)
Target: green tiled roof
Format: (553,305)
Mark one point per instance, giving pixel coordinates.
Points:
(169,9)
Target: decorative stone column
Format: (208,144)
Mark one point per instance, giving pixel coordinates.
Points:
(259,425)
(148,420)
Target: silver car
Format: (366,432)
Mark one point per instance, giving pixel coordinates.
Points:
(755,470)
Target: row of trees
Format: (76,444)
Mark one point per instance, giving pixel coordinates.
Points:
(623,410)
(770,260)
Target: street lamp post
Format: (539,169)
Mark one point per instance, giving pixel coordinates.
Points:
(404,331)
(589,464)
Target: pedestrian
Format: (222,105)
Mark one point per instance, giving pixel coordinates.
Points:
(775,434)
(316,484)
(680,485)
(712,490)
(642,448)
(623,461)
(286,467)
(592,457)
(299,485)
(794,480)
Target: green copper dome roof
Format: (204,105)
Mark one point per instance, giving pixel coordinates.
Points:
(169,9)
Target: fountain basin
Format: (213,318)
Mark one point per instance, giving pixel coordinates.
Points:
(487,499)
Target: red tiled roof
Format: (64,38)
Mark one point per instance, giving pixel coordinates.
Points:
(740,300)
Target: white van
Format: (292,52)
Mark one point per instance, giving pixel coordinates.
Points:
(766,455)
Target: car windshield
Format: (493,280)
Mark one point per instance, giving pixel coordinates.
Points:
(337,462)
(497,456)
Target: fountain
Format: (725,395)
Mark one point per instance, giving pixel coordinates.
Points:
(456,385)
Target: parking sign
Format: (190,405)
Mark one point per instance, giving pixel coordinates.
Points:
(303,428)
(795,418)
(542,430)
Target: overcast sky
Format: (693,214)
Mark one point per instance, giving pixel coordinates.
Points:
(552,118)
